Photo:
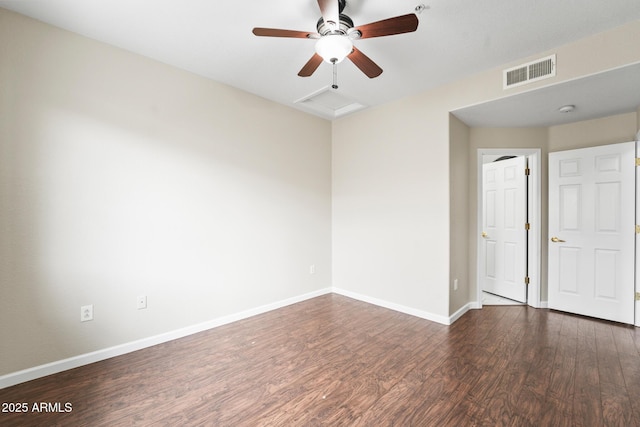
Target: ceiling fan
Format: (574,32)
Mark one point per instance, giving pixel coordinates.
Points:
(336,33)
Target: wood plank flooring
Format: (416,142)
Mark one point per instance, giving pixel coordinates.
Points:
(334,361)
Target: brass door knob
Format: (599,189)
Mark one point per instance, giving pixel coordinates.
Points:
(484,234)
(556,240)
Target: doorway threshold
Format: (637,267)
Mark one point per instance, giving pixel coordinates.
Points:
(492,299)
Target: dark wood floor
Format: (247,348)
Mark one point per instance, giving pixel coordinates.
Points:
(339,362)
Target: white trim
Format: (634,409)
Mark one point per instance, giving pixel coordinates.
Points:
(637,243)
(535,253)
(400,308)
(458,314)
(475,305)
(119,350)
(544,304)
(107,353)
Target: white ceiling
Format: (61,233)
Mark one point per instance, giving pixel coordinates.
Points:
(455,38)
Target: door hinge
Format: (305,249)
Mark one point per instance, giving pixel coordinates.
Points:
(527,171)
(526,280)
(637,229)
(637,161)
(637,296)
(527,226)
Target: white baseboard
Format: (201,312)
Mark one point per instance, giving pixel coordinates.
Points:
(107,353)
(458,314)
(544,304)
(475,305)
(84,359)
(398,307)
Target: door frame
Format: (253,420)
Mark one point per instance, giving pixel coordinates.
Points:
(534,251)
(637,254)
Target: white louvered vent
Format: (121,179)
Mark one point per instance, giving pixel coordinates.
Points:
(530,72)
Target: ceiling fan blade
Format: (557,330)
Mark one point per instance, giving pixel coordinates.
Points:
(275,32)
(366,65)
(330,10)
(311,66)
(388,27)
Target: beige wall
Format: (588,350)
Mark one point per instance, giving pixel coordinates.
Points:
(608,130)
(391,205)
(122,176)
(404,251)
(459,271)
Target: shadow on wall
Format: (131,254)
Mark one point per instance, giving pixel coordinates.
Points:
(127,177)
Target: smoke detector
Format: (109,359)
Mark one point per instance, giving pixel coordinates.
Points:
(567,108)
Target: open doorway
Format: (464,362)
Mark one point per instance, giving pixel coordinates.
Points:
(504,228)
(532,254)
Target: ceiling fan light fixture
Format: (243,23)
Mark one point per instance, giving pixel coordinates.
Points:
(333,48)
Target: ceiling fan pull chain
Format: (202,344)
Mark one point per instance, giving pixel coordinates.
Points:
(335,75)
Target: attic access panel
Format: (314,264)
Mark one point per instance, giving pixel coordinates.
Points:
(329,103)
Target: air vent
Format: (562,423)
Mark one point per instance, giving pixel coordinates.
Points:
(329,103)
(529,72)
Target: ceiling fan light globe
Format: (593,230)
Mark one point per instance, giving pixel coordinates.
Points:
(333,48)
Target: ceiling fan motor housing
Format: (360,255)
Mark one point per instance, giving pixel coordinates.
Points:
(344,26)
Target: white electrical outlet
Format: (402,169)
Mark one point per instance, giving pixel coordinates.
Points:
(312,269)
(86,313)
(141,302)
(455,284)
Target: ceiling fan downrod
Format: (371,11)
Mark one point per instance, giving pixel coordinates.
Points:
(335,74)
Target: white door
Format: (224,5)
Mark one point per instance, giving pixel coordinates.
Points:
(592,231)
(504,248)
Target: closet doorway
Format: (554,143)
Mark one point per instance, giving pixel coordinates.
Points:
(496,270)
